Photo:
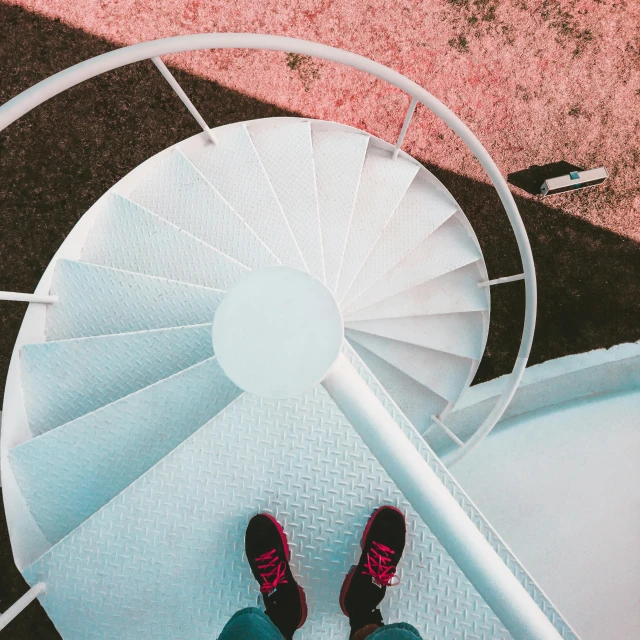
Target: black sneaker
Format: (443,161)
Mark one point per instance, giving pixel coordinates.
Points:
(268,553)
(366,584)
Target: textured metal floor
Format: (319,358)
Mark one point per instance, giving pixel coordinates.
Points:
(170,546)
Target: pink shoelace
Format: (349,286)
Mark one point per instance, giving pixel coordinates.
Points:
(376,566)
(271,571)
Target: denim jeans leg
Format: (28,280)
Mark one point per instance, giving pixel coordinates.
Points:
(250,624)
(395,631)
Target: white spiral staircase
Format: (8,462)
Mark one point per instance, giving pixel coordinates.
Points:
(133,462)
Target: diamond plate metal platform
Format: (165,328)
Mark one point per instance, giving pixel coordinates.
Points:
(166,555)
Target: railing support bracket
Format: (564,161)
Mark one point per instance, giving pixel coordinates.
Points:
(448,431)
(14,296)
(490,283)
(405,126)
(19,606)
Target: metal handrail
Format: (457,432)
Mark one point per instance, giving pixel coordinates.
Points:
(59,82)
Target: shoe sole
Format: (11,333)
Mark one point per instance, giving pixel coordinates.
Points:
(349,576)
(285,543)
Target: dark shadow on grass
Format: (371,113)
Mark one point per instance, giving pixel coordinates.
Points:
(531,179)
(57,160)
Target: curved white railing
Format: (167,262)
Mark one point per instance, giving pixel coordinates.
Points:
(72,76)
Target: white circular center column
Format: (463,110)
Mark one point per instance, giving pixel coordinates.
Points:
(277,332)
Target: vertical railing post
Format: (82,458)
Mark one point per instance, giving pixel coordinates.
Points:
(405,126)
(168,76)
(19,606)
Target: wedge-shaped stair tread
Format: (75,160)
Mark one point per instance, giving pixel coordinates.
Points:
(442,373)
(160,547)
(454,292)
(127,236)
(66,379)
(338,158)
(383,183)
(460,334)
(234,169)
(287,157)
(95,301)
(69,473)
(416,401)
(446,249)
(176,191)
(422,210)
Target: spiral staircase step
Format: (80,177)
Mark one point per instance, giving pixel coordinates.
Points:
(454,333)
(338,158)
(383,183)
(177,192)
(234,169)
(422,210)
(287,156)
(66,379)
(454,292)
(67,474)
(126,236)
(94,301)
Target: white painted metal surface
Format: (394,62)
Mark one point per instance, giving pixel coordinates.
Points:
(233,167)
(383,183)
(338,161)
(440,252)
(59,82)
(421,211)
(182,302)
(277,332)
(176,191)
(105,369)
(69,473)
(552,383)
(128,237)
(490,283)
(405,126)
(287,156)
(452,333)
(96,300)
(562,484)
(454,292)
(444,374)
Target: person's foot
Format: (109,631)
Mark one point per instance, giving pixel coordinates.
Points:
(365,585)
(268,554)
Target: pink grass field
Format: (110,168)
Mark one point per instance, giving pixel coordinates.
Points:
(537,81)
